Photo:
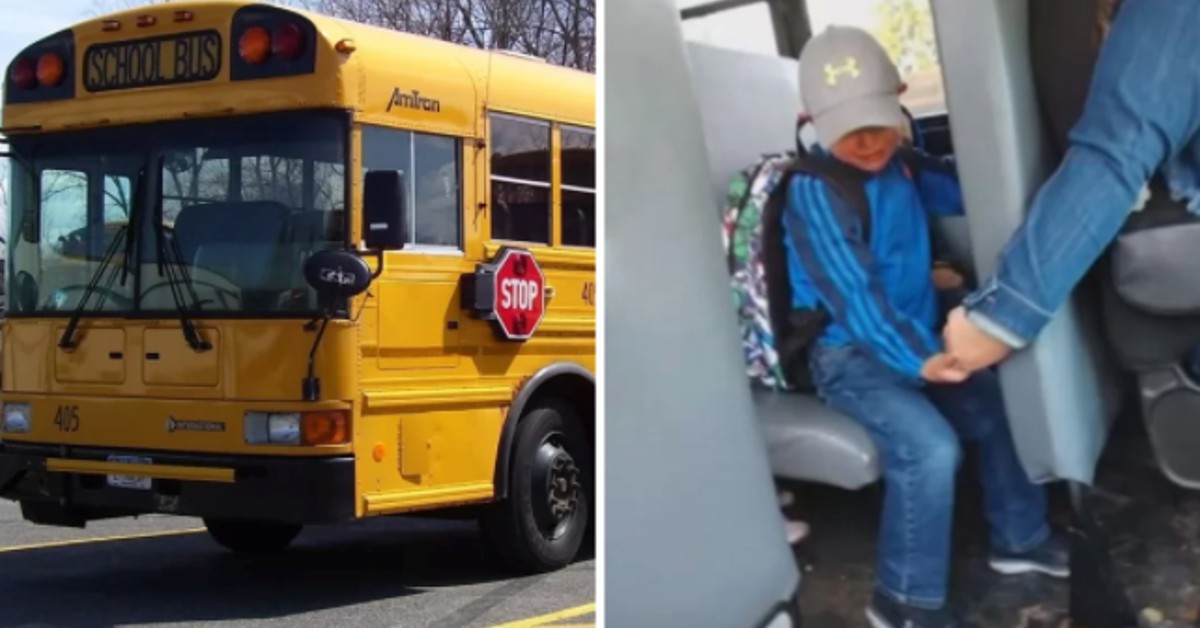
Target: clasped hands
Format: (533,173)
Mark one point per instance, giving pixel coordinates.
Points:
(968,348)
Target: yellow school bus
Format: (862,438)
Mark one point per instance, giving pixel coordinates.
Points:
(274,269)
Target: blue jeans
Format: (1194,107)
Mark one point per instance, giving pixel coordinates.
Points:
(916,430)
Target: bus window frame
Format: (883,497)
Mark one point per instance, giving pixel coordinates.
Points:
(563,187)
(551,130)
(413,247)
(789,19)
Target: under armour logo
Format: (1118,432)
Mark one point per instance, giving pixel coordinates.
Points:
(832,72)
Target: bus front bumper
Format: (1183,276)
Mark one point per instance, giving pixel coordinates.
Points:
(73,485)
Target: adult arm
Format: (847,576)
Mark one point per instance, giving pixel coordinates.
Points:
(1144,105)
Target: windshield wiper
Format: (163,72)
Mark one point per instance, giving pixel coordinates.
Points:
(172,266)
(67,341)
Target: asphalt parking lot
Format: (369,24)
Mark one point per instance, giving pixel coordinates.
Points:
(157,571)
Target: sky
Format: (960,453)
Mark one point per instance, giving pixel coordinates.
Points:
(26,21)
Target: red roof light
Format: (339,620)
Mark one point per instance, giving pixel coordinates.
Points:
(24,73)
(289,41)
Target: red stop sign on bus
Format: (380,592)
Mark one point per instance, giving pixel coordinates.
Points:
(519,289)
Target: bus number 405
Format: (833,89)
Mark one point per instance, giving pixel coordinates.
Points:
(66,418)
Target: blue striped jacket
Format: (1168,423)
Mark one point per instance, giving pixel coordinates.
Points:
(879,294)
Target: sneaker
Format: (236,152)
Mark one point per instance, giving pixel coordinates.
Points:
(796,531)
(884,612)
(1052,558)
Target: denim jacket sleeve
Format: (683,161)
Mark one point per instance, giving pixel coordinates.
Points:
(828,238)
(1143,106)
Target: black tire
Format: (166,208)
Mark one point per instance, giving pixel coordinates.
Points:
(252,537)
(538,529)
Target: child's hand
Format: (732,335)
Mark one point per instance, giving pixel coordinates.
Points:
(946,279)
(943,368)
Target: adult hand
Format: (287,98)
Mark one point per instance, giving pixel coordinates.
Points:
(943,369)
(973,349)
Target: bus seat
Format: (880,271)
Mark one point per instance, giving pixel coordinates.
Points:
(1149,288)
(678,407)
(808,440)
(748,106)
(240,241)
(243,265)
(230,223)
(1059,396)
(1151,312)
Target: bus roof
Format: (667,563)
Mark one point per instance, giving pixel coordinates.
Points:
(384,76)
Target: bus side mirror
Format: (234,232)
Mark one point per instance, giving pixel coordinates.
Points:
(337,274)
(385,221)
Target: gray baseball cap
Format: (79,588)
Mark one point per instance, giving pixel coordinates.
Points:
(847,82)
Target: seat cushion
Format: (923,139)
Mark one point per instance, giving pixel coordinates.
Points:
(809,441)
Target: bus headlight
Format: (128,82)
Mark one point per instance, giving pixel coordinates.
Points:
(273,428)
(325,427)
(16,418)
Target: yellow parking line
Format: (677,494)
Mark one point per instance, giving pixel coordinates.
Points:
(100,539)
(541,620)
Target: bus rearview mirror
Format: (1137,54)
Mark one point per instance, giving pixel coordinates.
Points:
(385,225)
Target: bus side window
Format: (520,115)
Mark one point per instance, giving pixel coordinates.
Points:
(436,210)
(578,187)
(520,179)
(432,172)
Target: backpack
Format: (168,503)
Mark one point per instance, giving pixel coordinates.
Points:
(776,337)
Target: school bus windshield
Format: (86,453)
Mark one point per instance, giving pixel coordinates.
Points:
(227,213)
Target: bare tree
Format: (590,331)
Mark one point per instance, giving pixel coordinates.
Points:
(101,7)
(560,31)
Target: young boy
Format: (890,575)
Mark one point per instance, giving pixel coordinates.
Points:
(881,361)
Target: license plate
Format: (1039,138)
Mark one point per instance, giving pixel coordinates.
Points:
(135,482)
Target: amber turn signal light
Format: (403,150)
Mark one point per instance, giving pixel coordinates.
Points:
(50,69)
(255,45)
(325,428)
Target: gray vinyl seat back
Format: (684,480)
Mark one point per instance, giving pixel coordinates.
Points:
(749,104)
(694,533)
(1061,393)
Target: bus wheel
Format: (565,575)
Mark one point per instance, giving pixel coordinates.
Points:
(252,537)
(541,525)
